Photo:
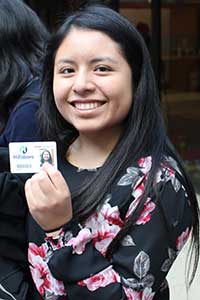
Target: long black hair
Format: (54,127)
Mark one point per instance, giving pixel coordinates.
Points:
(42,160)
(144,133)
(22,39)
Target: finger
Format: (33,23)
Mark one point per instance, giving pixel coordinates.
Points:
(36,205)
(55,176)
(28,193)
(41,185)
(36,198)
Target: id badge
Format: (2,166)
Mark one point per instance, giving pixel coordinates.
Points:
(29,157)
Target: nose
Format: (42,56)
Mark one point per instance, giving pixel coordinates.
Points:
(83,82)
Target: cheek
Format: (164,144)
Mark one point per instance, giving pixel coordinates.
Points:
(59,93)
(55,90)
(124,106)
(128,95)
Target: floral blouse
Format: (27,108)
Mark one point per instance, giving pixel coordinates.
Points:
(74,265)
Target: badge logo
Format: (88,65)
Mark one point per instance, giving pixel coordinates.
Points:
(23,149)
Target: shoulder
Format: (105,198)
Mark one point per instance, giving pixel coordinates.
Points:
(140,170)
(30,97)
(22,120)
(22,124)
(33,88)
(29,100)
(174,199)
(27,106)
(170,174)
(168,196)
(167,187)
(168,170)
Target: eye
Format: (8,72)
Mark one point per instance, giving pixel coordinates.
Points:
(102,69)
(67,70)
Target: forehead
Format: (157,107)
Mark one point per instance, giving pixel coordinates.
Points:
(82,42)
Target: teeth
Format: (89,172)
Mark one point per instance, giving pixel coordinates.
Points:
(87,106)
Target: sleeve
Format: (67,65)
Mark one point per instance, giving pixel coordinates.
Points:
(140,264)
(15,279)
(22,124)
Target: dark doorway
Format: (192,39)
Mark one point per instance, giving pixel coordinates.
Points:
(52,12)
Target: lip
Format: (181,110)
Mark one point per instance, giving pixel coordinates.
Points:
(87,104)
(86,100)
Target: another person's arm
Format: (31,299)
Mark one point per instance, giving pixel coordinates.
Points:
(22,124)
(15,278)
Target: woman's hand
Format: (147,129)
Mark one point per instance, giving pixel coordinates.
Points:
(49,198)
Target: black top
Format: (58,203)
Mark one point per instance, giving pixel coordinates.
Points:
(73,265)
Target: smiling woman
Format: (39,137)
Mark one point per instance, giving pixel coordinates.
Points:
(91,77)
(45,157)
(110,222)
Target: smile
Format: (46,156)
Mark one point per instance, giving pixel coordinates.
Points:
(87,105)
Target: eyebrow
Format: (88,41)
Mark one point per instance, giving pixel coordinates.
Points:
(94,60)
(103,58)
(64,61)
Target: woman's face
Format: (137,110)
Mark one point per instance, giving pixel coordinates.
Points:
(92,81)
(46,155)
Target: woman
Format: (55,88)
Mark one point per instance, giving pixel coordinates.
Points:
(22,40)
(45,157)
(111,221)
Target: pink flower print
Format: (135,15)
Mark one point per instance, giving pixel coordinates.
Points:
(158,176)
(39,270)
(56,287)
(45,282)
(139,190)
(145,164)
(101,279)
(41,274)
(137,193)
(131,294)
(146,294)
(34,251)
(103,231)
(181,240)
(104,237)
(170,171)
(111,214)
(166,174)
(104,226)
(132,207)
(79,242)
(145,216)
(57,243)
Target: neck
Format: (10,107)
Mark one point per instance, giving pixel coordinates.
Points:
(92,150)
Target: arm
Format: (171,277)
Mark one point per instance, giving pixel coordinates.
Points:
(22,124)
(15,279)
(76,256)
